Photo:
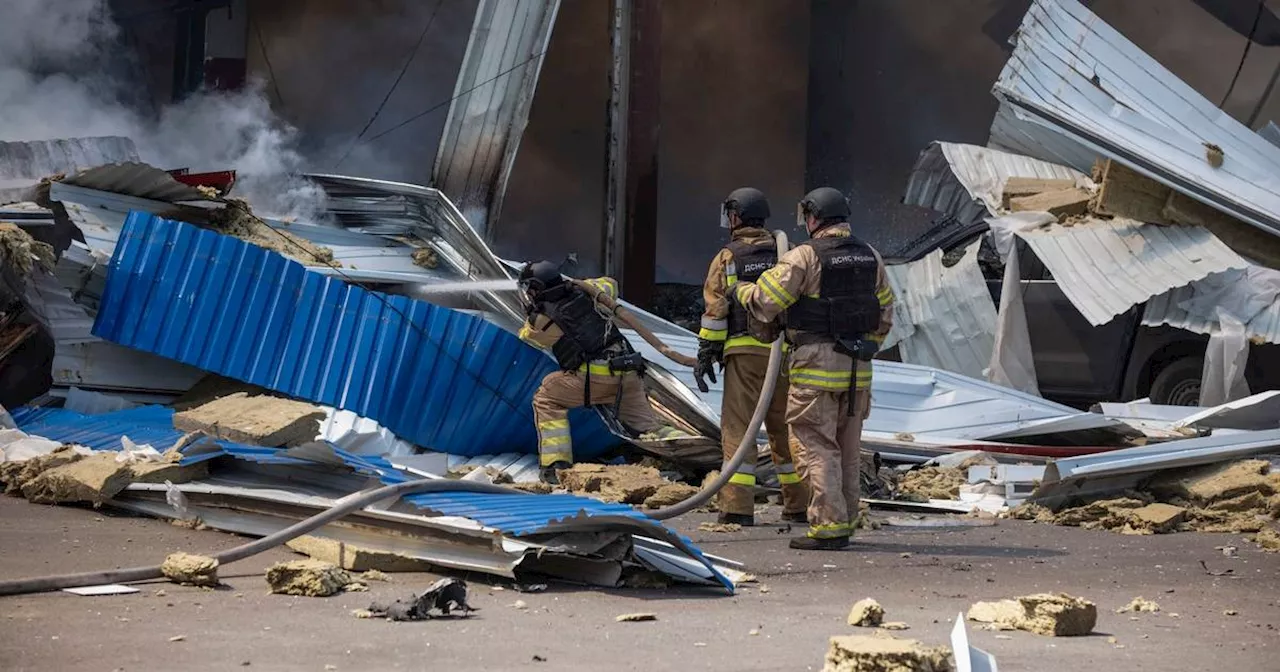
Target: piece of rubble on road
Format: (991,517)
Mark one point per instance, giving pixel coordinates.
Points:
(256,420)
(669,495)
(1138,605)
(719,527)
(859,653)
(636,618)
(16,474)
(894,625)
(308,578)
(355,558)
(1268,539)
(866,613)
(623,483)
(190,570)
(1054,615)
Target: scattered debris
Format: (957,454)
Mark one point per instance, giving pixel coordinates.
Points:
(1061,203)
(1213,154)
(1268,539)
(189,523)
(670,494)
(928,483)
(108,589)
(1138,605)
(18,473)
(1055,615)
(178,638)
(623,483)
(425,257)
(237,219)
(355,558)
(1215,572)
(719,527)
(259,420)
(307,578)
(647,579)
(444,596)
(362,613)
(894,625)
(21,252)
(519,604)
(374,575)
(190,570)
(857,653)
(1230,612)
(866,613)
(94,479)
(535,487)
(636,618)
(1228,551)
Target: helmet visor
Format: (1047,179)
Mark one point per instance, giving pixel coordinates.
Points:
(724,215)
(801,220)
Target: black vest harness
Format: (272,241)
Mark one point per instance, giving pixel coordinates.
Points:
(750,260)
(587,335)
(847,306)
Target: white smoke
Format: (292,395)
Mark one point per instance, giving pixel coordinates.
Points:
(60,78)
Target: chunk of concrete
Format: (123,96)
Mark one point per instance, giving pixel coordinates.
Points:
(857,653)
(1215,482)
(1061,203)
(624,483)
(1054,615)
(866,613)
(190,570)
(257,420)
(1156,518)
(92,479)
(307,578)
(669,495)
(355,558)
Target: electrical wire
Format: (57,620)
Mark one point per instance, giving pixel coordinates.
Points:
(1257,18)
(412,55)
(262,46)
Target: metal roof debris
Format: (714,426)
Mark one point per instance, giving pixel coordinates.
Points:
(1106,267)
(1074,80)
(138,180)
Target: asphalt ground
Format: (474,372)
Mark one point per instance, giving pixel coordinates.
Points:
(923,576)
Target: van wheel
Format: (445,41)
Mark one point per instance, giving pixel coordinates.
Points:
(1178,384)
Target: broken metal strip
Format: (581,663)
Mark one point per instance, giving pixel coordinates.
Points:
(492,97)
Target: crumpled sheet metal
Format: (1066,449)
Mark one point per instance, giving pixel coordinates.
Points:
(442,379)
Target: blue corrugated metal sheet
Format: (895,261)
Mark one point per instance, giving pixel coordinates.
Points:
(516,514)
(440,378)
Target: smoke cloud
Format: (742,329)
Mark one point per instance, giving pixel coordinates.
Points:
(62,75)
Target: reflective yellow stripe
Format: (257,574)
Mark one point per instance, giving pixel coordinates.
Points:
(775,289)
(743,479)
(556,441)
(878,338)
(548,459)
(823,374)
(713,335)
(885,296)
(554,424)
(598,370)
(830,531)
(525,332)
(731,280)
(788,479)
(744,341)
(714,324)
(605,285)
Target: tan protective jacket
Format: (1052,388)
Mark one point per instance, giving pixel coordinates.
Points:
(799,273)
(721,276)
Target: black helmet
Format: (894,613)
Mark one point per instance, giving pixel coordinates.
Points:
(539,277)
(825,203)
(748,202)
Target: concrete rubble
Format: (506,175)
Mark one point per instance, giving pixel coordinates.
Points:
(866,613)
(308,578)
(624,483)
(259,420)
(1139,605)
(1053,615)
(858,653)
(191,570)
(354,558)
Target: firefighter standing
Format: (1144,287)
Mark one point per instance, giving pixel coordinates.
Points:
(597,364)
(744,359)
(838,309)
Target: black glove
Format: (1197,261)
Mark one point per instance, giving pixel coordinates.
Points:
(709,353)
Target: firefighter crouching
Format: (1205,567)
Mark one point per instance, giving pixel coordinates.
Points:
(743,355)
(838,308)
(597,364)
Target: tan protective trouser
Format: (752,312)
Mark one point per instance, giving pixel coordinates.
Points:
(744,376)
(563,390)
(830,444)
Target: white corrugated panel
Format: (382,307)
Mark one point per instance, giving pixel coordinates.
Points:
(1078,78)
(1107,266)
(950,312)
(967,181)
(1252,295)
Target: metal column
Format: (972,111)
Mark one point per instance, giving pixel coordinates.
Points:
(640,225)
(615,129)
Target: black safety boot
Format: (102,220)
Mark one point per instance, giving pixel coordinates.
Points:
(811,544)
(551,474)
(796,517)
(743,519)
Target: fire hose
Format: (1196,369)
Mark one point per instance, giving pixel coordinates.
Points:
(347,505)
